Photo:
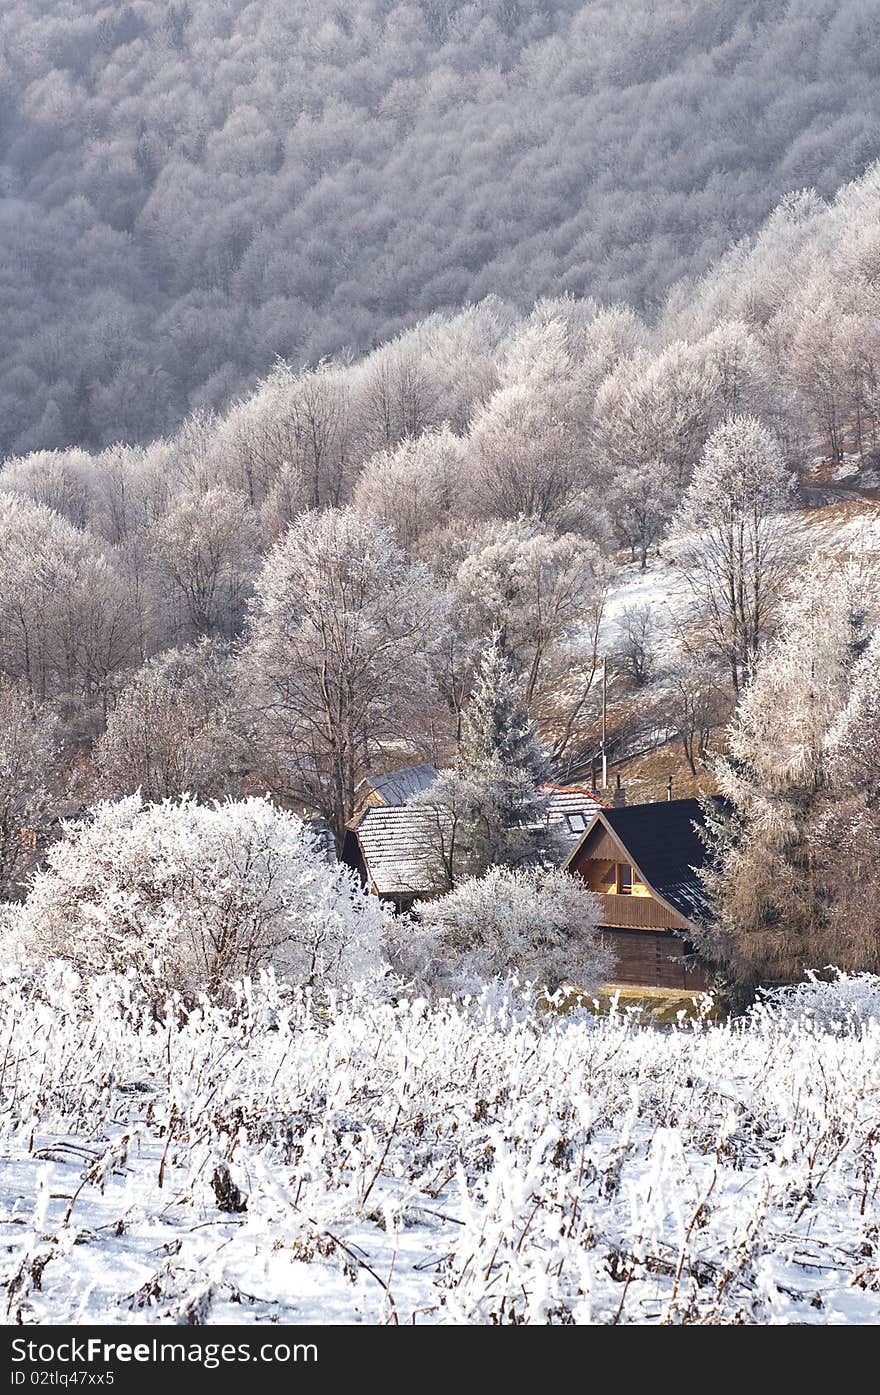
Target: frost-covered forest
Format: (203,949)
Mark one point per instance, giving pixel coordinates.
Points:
(366,564)
(189,188)
(482,400)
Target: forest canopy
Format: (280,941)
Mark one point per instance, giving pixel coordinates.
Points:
(189,190)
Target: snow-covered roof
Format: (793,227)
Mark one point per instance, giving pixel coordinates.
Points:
(396,841)
(399,786)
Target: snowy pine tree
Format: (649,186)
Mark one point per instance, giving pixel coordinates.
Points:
(488,807)
(498,733)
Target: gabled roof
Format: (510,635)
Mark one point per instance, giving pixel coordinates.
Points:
(399,786)
(397,841)
(662,843)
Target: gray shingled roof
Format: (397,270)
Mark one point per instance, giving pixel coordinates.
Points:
(571,811)
(396,841)
(399,786)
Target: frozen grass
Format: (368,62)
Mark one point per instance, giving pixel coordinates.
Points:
(277,1161)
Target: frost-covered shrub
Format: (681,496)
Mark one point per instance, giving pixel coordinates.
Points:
(846,1005)
(192,895)
(256,1161)
(541,925)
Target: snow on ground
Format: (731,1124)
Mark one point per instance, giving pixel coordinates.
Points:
(657,587)
(400,1162)
(851,526)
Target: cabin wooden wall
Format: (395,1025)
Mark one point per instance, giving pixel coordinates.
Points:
(601,844)
(653,959)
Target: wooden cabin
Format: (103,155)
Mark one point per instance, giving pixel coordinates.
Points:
(641,862)
(391,846)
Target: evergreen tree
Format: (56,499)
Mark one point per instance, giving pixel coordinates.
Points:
(488,808)
(498,733)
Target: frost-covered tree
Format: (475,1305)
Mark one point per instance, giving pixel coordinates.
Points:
(205,551)
(695,702)
(640,505)
(284,502)
(190,896)
(397,397)
(28,753)
(538,589)
(173,730)
(734,550)
(541,924)
(337,667)
(656,407)
(544,592)
(415,487)
(850,853)
(62,480)
(635,653)
(299,421)
(65,625)
(488,807)
(770,895)
(527,439)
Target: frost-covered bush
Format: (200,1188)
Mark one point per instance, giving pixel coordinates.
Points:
(539,924)
(192,895)
(846,1004)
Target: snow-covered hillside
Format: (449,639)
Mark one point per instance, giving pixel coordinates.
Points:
(838,526)
(407,1163)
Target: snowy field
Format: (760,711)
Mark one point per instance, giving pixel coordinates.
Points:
(399,1163)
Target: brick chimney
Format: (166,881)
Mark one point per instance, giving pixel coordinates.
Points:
(619,797)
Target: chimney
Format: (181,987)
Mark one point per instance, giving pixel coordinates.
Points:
(619,797)
(669,788)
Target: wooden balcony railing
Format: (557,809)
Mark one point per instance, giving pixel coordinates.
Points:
(636,913)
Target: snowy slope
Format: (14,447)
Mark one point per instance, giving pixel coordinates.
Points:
(850,525)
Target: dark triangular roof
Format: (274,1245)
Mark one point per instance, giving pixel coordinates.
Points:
(662,842)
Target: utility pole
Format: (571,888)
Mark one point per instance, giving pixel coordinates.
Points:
(604,723)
